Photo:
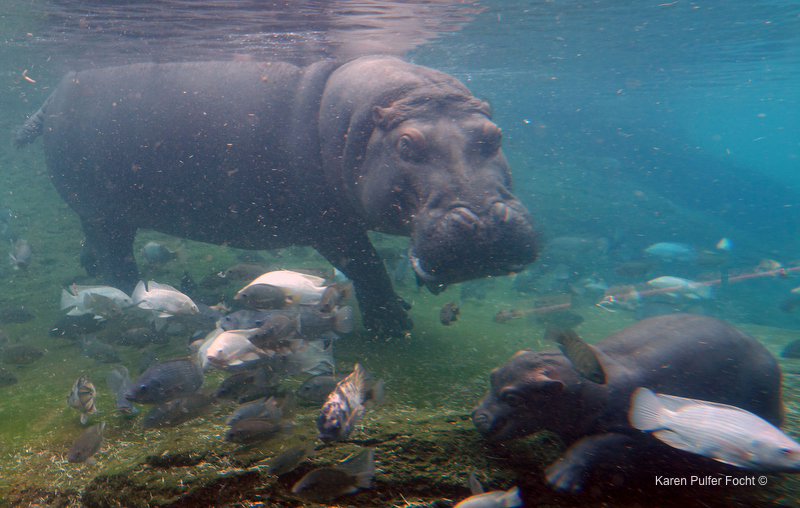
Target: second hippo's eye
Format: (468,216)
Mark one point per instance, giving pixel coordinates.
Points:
(411,145)
(511,398)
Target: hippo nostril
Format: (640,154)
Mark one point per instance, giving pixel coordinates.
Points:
(501,212)
(464,217)
(481,421)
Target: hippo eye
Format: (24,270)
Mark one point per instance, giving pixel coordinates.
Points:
(411,145)
(511,398)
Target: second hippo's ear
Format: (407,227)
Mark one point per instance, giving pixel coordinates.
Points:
(547,384)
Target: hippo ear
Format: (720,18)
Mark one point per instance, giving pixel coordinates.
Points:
(547,384)
(379,114)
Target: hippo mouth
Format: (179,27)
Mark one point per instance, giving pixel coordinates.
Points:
(458,244)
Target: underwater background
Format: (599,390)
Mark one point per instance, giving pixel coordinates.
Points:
(626,124)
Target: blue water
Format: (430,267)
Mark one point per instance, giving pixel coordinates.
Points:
(626,123)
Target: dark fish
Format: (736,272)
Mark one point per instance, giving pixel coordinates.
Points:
(21,254)
(561,319)
(277,328)
(261,297)
(178,411)
(7,378)
(82,396)
(245,272)
(792,350)
(290,459)
(317,388)
(100,351)
(187,284)
(334,295)
(582,356)
(449,313)
(255,430)
(247,385)
(327,483)
(214,280)
(147,359)
(118,381)
(87,444)
(22,354)
(261,408)
(16,315)
(72,327)
(166,380)
(343,408)
(156,254)
(139,338)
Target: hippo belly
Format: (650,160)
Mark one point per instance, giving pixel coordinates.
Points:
(678,354)
(265,155)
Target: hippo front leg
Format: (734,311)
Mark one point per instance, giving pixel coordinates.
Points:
(108,251)
(570,472)
(383,312)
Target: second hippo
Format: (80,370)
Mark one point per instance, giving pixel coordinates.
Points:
(686,355)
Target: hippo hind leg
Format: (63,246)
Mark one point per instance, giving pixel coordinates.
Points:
(107,251)
(571,472)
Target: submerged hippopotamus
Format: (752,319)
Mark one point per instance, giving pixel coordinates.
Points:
(678,354)
(261,156)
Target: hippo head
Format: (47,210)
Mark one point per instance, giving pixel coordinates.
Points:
(422,158)
(523,398)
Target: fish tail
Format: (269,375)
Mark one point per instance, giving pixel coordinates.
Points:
(365,465)
(139,293)
(68,300)
(511,499)
(84,418)
(343,320)
(348,290)
(646,410)
(378,395)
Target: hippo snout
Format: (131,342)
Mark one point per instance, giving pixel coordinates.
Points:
(468,242)
(482,421)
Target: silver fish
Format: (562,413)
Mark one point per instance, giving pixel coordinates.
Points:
(721,432)
(327,483)
(178,411)
(156,254)
(344,407)
(493,499)
(87,444)
(82,396)
(21,254)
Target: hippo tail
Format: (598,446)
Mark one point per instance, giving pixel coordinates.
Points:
(34,126)
(31,130)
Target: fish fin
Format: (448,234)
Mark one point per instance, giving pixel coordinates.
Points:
(139,293)
(91,461)
(475,486)
(646,410)
(674,403)
(377,394)
(675,440)
(348,289)
(343,320)
(77,312)
(155,285)
(160,320)
(68,299)
(362,467)
(286,427)
(84,418)
(351,421)
(511,498)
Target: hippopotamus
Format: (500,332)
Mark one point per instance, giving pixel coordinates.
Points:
(261,155)
(686,355)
